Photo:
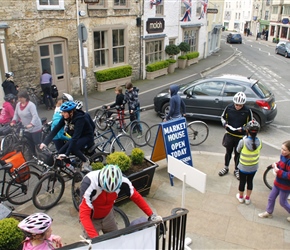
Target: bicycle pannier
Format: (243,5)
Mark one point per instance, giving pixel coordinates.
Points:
(6,129)
(17,159)
(54,91)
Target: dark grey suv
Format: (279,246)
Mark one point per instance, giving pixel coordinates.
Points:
(207,98)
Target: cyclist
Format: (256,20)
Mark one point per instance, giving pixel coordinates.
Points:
(234,119)
(99,190)
(37,228)
(81,129)
(7,111)
(8,85)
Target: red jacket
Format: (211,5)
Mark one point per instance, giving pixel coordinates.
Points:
(97,203)
(7,113)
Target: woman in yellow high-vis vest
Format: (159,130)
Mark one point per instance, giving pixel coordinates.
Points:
(249,148)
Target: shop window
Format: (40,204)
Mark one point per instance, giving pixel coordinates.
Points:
(120,3)
(190,37)
(109,47)
(50,4)
(284,32)
(272,31)
(154,51)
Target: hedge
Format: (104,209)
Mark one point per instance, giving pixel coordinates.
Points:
(183,57)
(157,66)
(171,60)
(192,55)
(113,73)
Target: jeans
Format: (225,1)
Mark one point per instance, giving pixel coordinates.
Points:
(282,199)
(46,88)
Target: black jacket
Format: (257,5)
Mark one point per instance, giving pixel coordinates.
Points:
(9,87)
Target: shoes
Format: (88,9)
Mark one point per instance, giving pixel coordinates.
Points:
(266,215)
(139,136)
(86,166)
(236,173)
(223,171)
(247,201)
(241,200)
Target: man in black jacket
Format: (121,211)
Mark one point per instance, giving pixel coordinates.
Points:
(234,119)
(9,86)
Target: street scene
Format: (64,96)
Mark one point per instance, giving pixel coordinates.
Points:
(145,124)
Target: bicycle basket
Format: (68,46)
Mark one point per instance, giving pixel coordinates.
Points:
(45,156)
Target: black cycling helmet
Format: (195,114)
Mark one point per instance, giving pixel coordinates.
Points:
(68,106)
(253,126)
(9,74)
(9,97)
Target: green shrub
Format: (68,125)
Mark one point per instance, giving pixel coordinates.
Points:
(120,159)
(184,47)
(192,55)
(97,165)
(137,156)
(183,57)
(11,235)
(157,66)
(113,73)
(172,50)
(171,60)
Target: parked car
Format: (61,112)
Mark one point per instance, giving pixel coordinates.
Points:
(283,48)
(207,98)
(234,38)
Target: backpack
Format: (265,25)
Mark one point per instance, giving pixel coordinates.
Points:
(54,91)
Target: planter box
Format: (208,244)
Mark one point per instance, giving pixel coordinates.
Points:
(182,63)
(157,73)
(103,86)
(141,181)
(192,61)
(171,67)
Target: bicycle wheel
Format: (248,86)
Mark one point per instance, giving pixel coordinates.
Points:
(98,157)
(76,189)
(7,144)
(19,193)
(197,132)
(100,119)
(138,131)
(151,135)
(33,99)
(121,218)
(122,143)
(102,143)
(269,177)
(48,191)
(26,150)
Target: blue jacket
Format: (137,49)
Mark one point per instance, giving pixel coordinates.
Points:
(55,120)
(176,103)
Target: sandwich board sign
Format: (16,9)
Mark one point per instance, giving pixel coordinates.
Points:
(172,139)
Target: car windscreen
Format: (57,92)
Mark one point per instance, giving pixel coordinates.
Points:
(236,36)
(261,90)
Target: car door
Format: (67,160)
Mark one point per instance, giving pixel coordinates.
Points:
(204,98)
(281,48)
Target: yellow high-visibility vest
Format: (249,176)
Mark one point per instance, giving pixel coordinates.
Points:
(249,158)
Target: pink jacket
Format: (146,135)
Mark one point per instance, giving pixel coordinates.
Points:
(7,113)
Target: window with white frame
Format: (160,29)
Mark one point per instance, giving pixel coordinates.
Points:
(154,51)
(99,5)
(266,15)
(286,10)
(160,9)
(274,9)
(120,3)
(109,47)
(50,4)
(190,37)
(198,8)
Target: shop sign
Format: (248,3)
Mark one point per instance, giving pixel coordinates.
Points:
(155,25)
(285,20)
(212,11)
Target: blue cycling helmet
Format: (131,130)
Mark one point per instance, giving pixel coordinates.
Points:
(68,106)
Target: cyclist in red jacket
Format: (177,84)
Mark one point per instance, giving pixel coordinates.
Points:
(99,190)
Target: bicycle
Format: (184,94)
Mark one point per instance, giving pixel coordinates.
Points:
(35,95)
(197,132)
(269,177)
(109,142)
(20,186)
(136,129)
(120,217)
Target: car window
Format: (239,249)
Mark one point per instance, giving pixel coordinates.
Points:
(288,45)
(237,36)
(261,90)
(232,88)
(211,88)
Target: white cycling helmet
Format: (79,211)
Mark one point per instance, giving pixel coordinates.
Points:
(79,104)
(110,178)
(67,97)
(240,98)
(36,223)
(9,74)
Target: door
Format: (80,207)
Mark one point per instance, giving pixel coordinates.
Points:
(53,59)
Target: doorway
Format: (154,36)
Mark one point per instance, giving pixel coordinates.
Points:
(52,54)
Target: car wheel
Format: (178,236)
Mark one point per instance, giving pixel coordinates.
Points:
(165,108)
(286,54)
(257,118)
